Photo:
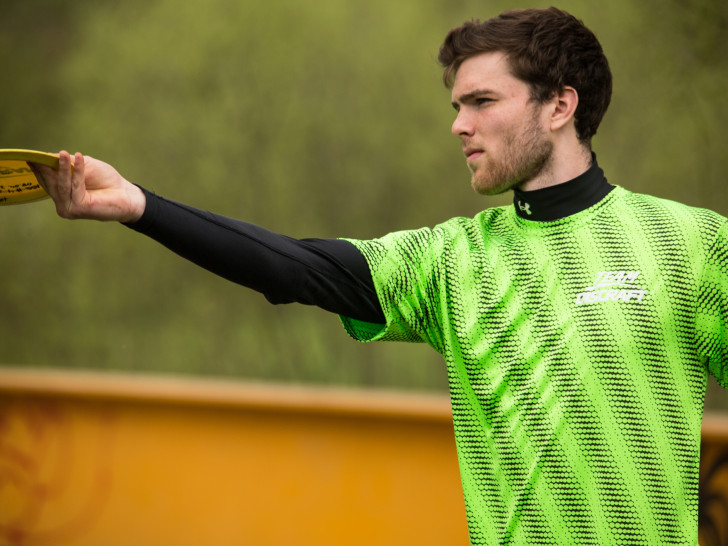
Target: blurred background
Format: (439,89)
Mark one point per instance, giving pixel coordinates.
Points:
(314,120)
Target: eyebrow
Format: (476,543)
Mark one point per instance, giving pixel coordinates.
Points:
(471,95)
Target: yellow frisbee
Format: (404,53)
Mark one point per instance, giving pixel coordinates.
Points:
(18,183)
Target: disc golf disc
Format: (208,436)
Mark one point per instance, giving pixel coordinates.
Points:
(18,183)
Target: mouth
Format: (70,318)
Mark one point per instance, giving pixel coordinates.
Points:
(472,153)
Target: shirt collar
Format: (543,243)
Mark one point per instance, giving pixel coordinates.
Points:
(556,202)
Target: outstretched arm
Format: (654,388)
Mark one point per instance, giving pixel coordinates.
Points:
(88,188)
(329,273)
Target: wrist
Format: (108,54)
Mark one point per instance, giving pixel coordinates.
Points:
(137,205)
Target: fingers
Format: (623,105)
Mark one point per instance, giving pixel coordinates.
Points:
(66,185)
(78,186)
(61,191)
(62,194)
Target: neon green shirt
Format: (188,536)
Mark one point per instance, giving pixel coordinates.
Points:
(577,354)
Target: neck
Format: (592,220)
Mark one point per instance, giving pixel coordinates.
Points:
(562,166)
(555,201)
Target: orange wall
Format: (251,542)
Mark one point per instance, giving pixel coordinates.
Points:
(105,460)
(90,459)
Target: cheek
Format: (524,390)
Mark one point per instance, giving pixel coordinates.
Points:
(495,136)
(494,123)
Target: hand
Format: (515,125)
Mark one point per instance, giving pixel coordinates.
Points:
(89,188)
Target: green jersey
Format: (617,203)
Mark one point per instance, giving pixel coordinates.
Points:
(577,353)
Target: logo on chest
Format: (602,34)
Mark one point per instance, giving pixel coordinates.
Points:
(619,286)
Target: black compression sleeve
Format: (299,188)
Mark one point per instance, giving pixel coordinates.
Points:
(329,273)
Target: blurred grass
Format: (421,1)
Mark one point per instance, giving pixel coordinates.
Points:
(326,120)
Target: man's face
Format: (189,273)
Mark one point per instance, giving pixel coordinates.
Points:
(504,133)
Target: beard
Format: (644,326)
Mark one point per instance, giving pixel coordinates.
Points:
(525,155)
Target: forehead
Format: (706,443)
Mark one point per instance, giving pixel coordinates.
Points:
(489,71)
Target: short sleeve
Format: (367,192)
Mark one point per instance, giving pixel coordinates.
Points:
(405,268)
(712,311)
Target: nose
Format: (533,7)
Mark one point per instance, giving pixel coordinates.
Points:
(462,126)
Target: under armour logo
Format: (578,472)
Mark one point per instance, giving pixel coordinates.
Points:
(525,207)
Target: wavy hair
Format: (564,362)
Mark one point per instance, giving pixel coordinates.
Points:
(548,49)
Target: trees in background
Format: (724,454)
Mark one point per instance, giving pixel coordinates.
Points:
(313,121)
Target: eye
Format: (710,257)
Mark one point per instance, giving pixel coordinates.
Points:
(483,101)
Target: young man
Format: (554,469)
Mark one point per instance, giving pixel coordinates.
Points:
(578,326)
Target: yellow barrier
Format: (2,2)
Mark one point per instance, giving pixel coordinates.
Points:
(714,481)
(95,459)
(104,460)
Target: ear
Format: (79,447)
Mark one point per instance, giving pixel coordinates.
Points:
(564,105)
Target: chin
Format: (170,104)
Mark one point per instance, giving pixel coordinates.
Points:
(491,188)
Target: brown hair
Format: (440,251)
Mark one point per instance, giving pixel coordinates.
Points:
(548,49)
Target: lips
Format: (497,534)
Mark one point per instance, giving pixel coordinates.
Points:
(472,153)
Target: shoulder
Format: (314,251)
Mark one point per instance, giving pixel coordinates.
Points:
(486,223)
(657,211)
(650,204)
(431,243)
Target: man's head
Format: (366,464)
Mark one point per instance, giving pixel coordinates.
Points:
(548,49)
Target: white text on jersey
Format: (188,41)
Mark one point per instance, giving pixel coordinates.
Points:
(612,286)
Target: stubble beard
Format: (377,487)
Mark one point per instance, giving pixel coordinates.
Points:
(525,156)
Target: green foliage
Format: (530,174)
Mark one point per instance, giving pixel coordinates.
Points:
(313,120)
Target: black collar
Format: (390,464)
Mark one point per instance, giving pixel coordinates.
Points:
(561,200)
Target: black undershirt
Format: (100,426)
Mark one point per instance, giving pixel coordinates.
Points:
(562,200)
(329,273)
